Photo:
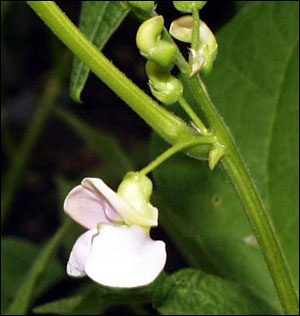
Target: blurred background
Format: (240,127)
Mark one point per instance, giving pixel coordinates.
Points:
(47,136)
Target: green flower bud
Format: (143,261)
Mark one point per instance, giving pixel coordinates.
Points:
(182,30)
(136,190)
(146,6)
(188,6)
(165,87)
(152,46)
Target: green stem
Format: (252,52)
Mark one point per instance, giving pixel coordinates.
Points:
(195,36)
(175,149)
(249,196)
(194,117)
(166,124)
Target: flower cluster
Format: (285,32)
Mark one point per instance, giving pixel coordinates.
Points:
(117,249)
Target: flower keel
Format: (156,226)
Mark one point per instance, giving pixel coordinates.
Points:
(125,257)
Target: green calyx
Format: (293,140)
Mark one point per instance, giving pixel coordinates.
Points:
(151,44)
(188,6)
(136,190)
(165,87)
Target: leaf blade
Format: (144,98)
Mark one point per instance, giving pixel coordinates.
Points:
(94,299)
(191,292)
(26,291)
(98,21)
(245,85)
(14,268)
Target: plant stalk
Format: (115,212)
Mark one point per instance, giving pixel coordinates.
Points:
(170,127)
(257,215)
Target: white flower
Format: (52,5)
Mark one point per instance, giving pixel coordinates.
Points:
(117,250)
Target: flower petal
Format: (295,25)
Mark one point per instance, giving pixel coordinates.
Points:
(126,257)
(124,210)
(79,253)
(87,206)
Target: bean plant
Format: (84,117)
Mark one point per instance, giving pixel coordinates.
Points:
(218,178)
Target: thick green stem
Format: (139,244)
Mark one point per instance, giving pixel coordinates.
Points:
(254,208)
(175,149)
(166,124)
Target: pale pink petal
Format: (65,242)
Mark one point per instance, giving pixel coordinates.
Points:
(80,253)
(125,211)
(109,197)
(87,206)
(125,257)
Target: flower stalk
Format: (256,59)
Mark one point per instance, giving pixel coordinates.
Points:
(194,117)
(208,140)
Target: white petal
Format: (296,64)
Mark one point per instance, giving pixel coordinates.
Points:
(123,256)
(80,253)
(87,206)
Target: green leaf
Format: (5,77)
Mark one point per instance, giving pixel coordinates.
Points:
(255,88)
(192,292)
(94,299)
(27,289)
(16,260)
(60,307)
(107,148)
(98,21)
(283,162)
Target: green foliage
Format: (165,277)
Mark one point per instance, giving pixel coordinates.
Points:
(98,21)
(27,289)
(16,260)
(187,292)
(255,87)
(94,299)
(192,292)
